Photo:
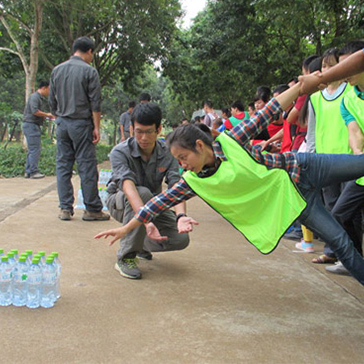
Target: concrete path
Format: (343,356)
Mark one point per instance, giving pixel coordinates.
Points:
(218,301)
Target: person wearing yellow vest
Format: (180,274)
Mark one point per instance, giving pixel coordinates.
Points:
(279,187)
(327,133)
(348,208)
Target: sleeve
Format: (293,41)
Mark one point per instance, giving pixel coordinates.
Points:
(35,103)
(94,92)
(345,114)
(311,130)
(249,129)
(52,97)
(172,175)
(164,201)
(300,102)
(121,168)
(227,124)
(122,120)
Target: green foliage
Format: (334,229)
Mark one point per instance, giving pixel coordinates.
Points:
(13,158)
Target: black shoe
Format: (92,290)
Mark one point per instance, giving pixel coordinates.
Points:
(145,255)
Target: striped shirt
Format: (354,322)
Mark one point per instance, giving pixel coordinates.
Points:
(242,133)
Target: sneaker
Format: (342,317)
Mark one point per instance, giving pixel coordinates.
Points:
(95,216)
(305,247)
(128,268)
(338,268)
(65,215)
(26,175)
(293,235)
(145,255)
(37,175)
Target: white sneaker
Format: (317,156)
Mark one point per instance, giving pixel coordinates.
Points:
(338,268)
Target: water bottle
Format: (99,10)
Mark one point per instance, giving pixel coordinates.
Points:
(42,257)
(20,284)
(30,255)
(11,261)
(27,262)
(80,204)
(34,284)
(16,254)
(49,295)
(5,282)
(58,266)
(1,252)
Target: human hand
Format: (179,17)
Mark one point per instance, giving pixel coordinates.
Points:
(96,136)
(185,224)
(311,83)
(116,233)
(153,232)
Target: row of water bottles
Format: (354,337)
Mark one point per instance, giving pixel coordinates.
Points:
(29,280)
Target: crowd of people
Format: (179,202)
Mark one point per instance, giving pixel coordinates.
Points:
(298,147)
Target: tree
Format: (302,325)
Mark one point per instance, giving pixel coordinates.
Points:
(22,21)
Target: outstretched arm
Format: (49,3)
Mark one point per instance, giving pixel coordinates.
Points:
(348,67)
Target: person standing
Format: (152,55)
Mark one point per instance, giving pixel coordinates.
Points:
(75,99)
(125,130)
(32,120)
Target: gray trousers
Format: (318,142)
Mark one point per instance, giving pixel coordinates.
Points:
(74,143)
(137,241)
(32,134)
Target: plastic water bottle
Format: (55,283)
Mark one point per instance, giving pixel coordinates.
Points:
(1,252)
(27,262)
(80,204)
(5,282)
(34,284)
(20,284)
(58,266)
(16,254)
(49,295)
(11,261)
(29,253)
(42,257)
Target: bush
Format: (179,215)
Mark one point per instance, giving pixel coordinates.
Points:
(13,158)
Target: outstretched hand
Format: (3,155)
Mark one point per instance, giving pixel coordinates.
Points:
(185,224)
(116,233)
(311,83)
(153,232)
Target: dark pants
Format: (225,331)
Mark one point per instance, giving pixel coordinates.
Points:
(74,143)
(32,134)
(318,171)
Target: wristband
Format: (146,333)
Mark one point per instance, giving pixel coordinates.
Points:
(182,214)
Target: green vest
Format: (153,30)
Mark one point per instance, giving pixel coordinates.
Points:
(259,202)
(235,121)
(355,105)
(332,135)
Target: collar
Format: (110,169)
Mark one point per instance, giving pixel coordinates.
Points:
(159,148)
(358,93)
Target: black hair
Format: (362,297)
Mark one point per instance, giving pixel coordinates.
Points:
(293,79)
(281,88)
(351,47)
(251,105)
(306,62)
(144,96)
(83,44)
(315,65)
(43,84)
(132,104)
(226,110)
(185,136)
(208,103)
(331,52)
(238,105)
(263,93)
(147,114)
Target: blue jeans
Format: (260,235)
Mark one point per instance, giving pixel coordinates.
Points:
(318,171)
(32,134)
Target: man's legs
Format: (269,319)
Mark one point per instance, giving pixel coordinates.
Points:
(64,165)
(137,241)
(33,136)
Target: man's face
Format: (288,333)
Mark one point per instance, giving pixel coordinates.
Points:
(146,136)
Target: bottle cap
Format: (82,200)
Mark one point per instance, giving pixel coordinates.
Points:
(29,252)
(41,253)
(1,250)
(16,251)
(35,260)
(55,254)
(49,259)
(4,258)
(10,254)
(22,259)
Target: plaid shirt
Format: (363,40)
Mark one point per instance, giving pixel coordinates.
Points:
(242,133)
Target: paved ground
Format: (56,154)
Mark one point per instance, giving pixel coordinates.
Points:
(219,301)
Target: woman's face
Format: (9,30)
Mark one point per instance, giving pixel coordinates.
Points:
(327,63)
(190,160)
(259,104)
